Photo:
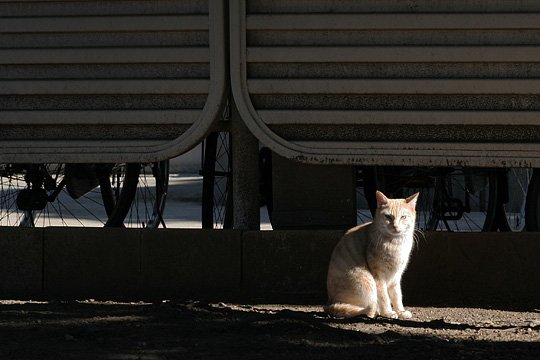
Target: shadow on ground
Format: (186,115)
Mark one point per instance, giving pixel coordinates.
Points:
(168,330)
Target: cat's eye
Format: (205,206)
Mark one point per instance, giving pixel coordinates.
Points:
(404,217)
(389,218)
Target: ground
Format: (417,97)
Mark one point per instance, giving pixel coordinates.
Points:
(197,330)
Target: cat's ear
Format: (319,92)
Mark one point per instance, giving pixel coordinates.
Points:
(411,200)
(382,200)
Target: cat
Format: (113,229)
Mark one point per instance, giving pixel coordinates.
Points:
(364,275)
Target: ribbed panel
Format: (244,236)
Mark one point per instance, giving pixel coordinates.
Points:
(390,82)
(131,64)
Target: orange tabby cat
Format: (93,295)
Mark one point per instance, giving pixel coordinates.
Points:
(364,276)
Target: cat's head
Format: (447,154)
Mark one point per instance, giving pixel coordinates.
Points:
(395,216)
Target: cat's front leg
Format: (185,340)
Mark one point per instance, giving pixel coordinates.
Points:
(383,301)
(396,297)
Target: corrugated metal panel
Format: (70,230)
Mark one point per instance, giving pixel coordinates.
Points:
(390,82)
(109,81)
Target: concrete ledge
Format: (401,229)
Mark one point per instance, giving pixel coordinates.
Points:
(190,263)
(286,265)
(149,264)
(484,269)
(21,262)
(91,262)
(475,269)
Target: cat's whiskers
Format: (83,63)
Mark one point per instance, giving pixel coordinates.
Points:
(417,236)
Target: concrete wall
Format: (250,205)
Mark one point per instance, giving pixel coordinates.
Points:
(493,269)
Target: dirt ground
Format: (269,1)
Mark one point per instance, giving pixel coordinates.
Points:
(196,330)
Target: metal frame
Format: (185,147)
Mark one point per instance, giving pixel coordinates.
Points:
(515,142)
(116,148)
(489,151)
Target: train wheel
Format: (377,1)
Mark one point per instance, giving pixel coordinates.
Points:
(451,199)
(532,205)
(71,194)
(140,195)
(511,207)
(217,170)
(366,186)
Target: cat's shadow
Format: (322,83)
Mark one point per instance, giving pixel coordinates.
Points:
(435,324)
(320,319)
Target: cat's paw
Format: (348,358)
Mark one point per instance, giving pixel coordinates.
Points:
(405,314)
(371,312)
(390,315)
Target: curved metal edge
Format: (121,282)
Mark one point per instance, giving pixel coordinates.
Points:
(239,86)
(413,154)
(103,152)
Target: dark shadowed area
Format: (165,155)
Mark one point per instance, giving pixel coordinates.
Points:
(195,330)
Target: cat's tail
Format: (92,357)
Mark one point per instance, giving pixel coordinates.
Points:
(343,310)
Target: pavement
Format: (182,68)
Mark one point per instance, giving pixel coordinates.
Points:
(183,207)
